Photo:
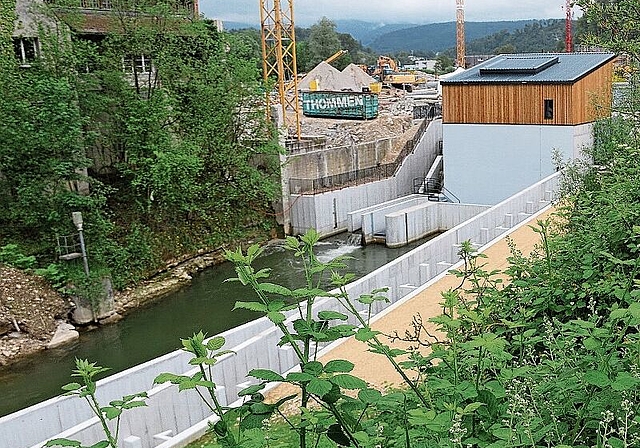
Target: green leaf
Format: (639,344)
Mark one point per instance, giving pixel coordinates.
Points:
(339,366)
(332,315)
(624,381)
(133,404)
(63,442)
(216,343)
(313,367)
(304,293)
(251,390)
(110,412)
(300,377)
(319,387)
(597,378)
(471,408)
(274,289)
(251,306)
(591,344)
(276,317)
(615,442)
(71,386)
(171,377)
(618,314)
(369,396)
(364,334)
(348,381)
(503,433)
(103,444)
(421,416)
(265,374)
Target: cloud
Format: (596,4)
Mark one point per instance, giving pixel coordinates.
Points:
(389,11)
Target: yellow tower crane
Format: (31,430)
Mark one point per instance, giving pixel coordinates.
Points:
(279,57)
(460,45)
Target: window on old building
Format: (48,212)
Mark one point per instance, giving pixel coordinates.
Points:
(26,50)
(141,64)
(548,109)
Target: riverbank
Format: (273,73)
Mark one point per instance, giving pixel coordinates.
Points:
(31,310)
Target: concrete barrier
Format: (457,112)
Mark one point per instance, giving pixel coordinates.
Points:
(166,422)
(413,223)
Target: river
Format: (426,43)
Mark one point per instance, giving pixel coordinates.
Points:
(153,330)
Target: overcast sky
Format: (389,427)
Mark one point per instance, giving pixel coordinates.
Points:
(308,12)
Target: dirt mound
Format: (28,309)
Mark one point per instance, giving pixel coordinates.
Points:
(29,310)
(327,78)
(357,76)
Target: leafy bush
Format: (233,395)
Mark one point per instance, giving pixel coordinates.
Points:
(11,255)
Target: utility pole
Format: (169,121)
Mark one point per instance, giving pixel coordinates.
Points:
(77,221)
(460,45)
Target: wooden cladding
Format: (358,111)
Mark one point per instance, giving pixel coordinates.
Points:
(572,104)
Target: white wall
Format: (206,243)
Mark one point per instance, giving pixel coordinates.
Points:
(328,212)
(484,164)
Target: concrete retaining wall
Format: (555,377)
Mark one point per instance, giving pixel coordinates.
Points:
(327,162)
(328,212)
(408,225)
(171,413)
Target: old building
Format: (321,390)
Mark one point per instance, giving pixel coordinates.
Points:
(91,20)
(504,119)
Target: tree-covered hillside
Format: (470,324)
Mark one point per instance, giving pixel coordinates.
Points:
(538,36)
(439,36)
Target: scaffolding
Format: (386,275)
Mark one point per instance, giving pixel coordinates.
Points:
(279,58)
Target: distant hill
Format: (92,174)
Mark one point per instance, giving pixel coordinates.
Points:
(238,25)
(439,36)
(367,32)
(538,36)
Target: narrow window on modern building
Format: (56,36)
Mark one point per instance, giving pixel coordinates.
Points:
(548,109)
(26,50)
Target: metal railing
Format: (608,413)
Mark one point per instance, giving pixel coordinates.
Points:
(360,176)
(434,190)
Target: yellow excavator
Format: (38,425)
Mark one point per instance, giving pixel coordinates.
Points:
(335,56)
(387,71)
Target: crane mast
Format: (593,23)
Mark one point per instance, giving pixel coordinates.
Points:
(568,33)
(460,45)
(279,57)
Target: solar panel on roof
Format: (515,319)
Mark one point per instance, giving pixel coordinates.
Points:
(525,65)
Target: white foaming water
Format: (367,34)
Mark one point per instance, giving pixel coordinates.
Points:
(337,251)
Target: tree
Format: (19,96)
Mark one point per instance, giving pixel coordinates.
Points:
(175,146)
(444,64)
(323,41)
(613,25)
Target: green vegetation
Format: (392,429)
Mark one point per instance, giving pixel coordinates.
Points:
(86,372)
(154,131)
(535,37)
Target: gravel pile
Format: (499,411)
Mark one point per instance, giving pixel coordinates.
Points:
(30,311)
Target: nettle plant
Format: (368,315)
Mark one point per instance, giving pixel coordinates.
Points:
(327,409)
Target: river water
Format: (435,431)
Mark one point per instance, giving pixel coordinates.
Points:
(148,332)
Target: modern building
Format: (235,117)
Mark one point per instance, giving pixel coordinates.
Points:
(504,120)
